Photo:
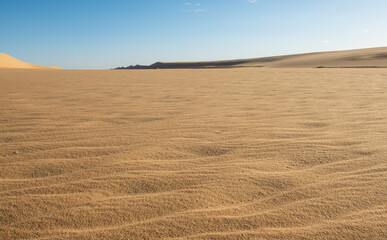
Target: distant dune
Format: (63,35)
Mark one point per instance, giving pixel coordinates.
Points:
(369,58)
(7,61)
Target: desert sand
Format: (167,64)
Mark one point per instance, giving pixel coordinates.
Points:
(240,153)
(201,154)
(358,58)
(7,61)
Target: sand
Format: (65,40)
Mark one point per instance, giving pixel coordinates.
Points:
(250,153)
(7,61)
(358,58)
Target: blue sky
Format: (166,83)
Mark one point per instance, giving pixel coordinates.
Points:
(98,34)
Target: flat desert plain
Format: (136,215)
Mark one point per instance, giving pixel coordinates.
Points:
(241,153)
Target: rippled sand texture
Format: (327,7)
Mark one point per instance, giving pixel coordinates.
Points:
(201,154)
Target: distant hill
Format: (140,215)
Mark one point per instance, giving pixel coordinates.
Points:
(7,61)
(360,58)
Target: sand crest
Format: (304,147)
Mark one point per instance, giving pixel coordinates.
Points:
(7,61)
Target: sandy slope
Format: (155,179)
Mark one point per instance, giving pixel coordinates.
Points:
(201,154)
(371,57)
(7,61)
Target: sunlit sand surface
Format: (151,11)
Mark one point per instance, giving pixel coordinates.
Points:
(252,153)
(7,61)
(357,58)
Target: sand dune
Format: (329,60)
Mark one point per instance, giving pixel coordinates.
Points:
(247,153)
(7,61)
(372,57)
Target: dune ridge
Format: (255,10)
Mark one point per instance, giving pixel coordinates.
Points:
(369,58)
(7,61)
(242,153)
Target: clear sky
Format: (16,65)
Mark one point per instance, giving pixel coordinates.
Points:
(98,34)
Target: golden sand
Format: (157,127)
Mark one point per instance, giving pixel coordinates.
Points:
(358,58)
(7,61)
(249,153)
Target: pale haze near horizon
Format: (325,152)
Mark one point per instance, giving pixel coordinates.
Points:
(101,34)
